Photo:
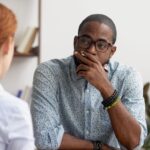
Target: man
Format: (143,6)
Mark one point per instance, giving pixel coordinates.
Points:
(87,101)
(16,131)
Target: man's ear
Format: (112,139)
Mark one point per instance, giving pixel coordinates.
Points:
(75,42)
(6,46)
(113,50)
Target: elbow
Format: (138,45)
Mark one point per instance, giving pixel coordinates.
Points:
(134,139)
(133,143)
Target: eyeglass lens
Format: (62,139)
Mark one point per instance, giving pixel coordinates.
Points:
(85,42)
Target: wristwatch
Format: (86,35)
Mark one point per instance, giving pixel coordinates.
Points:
(97,145)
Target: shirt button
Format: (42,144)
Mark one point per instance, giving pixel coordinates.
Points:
(87,111)
(87,90)
(87,132)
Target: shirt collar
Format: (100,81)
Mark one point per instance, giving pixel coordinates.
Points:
(106,67)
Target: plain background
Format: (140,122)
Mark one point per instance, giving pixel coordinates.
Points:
(60,21)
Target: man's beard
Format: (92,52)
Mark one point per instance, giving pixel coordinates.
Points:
(77,61)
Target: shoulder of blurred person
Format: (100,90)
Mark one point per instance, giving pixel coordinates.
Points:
(16,131)
(15,114)
(15,122)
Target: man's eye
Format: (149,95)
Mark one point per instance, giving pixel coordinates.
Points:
(84,44)
(84,41)
(101,45)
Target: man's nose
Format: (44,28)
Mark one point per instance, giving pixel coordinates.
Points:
(92,49)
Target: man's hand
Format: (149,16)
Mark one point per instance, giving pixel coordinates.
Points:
(93,71)
(91,68)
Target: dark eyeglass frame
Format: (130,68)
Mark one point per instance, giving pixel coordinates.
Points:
(107,46)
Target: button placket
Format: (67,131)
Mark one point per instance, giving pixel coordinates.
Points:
(87,112)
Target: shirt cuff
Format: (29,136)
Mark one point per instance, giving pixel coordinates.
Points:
(59,131)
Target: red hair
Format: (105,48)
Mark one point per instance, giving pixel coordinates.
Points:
(8,23)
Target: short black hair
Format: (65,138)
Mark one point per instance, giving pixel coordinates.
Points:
(102,19)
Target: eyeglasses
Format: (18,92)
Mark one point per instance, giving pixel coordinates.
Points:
(85,42)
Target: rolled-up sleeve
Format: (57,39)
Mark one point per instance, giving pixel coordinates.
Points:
(48,130)
(134,102)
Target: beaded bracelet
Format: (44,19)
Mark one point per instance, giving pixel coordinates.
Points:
(112,105)
(110,100)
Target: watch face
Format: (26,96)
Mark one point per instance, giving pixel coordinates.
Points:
(97,145)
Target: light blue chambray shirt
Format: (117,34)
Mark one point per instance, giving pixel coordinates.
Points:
(63,102)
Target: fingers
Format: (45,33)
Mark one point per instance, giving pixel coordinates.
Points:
(82,58)
(83,53)
(86,58)
(82,67)
(91,57)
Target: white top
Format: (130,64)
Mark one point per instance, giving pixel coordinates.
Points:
(16,132)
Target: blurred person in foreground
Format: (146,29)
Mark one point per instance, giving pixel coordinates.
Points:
(16,131)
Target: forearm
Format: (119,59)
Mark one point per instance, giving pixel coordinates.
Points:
(70,142)
(126,128)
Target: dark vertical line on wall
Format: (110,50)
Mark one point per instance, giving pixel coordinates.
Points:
(39,25)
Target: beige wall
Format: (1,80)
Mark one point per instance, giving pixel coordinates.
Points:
(60,20)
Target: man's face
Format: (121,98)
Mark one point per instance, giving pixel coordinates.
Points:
(97,38)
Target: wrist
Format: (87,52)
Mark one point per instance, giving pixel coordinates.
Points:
(97,145)
(111,101)
(106,89)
